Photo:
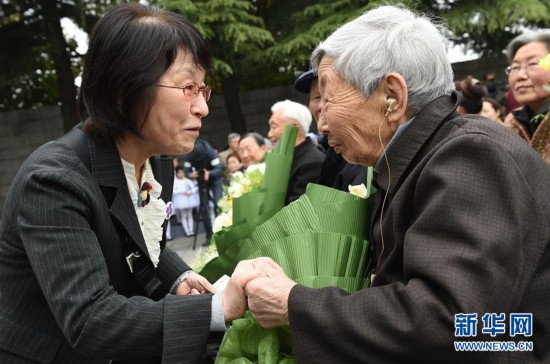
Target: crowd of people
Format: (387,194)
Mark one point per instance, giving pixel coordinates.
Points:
(459,230)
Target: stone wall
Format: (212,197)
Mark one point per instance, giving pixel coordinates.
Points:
(256,106)
(22,132)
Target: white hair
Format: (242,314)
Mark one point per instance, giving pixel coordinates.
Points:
(391,39)
(296,111)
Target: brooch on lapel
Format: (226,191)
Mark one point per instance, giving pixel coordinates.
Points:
(143,196)
(169,210)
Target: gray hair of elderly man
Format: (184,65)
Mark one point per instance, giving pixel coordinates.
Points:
(296,111)
(391,39)
(232,136)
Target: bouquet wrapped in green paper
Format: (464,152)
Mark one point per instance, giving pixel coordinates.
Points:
(319,240)
(254,207)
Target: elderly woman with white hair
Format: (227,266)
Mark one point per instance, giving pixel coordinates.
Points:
(460,229)
(526,81)
(307,159)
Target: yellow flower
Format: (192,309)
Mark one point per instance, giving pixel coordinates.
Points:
(545,62)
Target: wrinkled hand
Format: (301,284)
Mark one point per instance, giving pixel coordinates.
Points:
(268,295)
(234,299)
(195,284)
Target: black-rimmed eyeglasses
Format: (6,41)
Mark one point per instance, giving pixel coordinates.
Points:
(191,90)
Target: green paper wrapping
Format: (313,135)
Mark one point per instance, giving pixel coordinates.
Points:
(255,207)
(319,240)
(279,170)
(249,205)
(248,342)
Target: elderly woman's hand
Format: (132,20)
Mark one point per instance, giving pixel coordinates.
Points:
(234,299)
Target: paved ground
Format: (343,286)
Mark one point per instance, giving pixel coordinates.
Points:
(184,245)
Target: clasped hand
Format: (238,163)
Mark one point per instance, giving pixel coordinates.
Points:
(195,284)
(262,286)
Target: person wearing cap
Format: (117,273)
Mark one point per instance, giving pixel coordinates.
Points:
(335,171)
(307,159)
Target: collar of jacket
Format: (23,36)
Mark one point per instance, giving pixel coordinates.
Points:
(405,149)
(306,144)
(526,114)
(107,170)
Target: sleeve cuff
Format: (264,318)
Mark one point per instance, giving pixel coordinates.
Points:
(217,323)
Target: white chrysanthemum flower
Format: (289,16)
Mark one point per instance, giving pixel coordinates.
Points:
(235,190)
(223,220)
(256,167)
(225,203)
(359,190)
(203,256)
(236,176)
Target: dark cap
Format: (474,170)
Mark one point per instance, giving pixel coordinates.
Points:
(303,82)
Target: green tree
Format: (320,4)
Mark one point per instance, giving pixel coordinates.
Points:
(298,31)
(234,34)
(485,27)
(39,66)
(488,26)
(255,43)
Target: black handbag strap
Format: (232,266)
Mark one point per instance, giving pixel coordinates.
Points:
(142,269)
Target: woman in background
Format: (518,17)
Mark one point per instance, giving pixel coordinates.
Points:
(234,163)
(492,109)
(526,79)
(252,149)
(473,92)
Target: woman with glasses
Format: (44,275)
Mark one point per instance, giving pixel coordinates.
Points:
(85,276)
(526,79)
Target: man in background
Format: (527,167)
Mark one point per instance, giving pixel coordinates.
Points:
(308,159)
(233,147)
(203,165)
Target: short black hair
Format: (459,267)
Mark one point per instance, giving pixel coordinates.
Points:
(234,155)
(473,92)
(495,104)
(130,48)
